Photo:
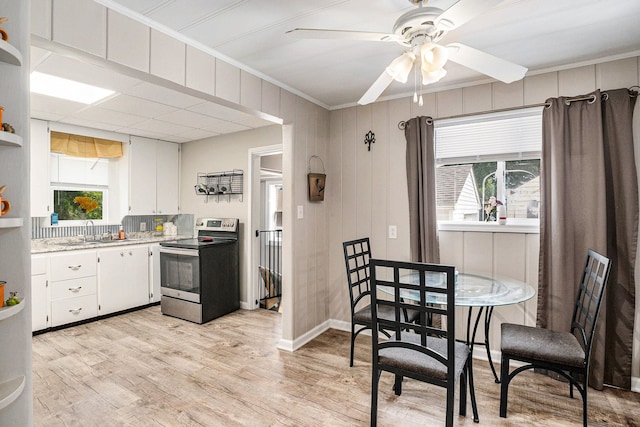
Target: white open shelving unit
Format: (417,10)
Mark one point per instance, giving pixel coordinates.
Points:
(15,337)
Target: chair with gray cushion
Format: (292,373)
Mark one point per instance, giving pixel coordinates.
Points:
(357,254)
(427,352)
(566,353)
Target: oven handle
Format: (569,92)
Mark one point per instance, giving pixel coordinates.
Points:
(177,251)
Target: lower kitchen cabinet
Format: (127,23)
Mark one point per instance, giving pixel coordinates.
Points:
(40,297)
(154,272)
(123,278)
(72,287)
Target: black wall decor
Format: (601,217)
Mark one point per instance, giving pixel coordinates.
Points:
(369,138)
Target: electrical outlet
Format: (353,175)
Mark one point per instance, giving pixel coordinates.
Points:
(393,232)
(143,226)
(300,211)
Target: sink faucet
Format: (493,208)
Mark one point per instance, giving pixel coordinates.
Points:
(86,229)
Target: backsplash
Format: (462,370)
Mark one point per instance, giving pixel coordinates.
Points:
(40,228)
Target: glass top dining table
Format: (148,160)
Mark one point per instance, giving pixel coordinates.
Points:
(472,291)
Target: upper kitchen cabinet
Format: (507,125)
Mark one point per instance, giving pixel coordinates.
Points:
(88,34)
(40,206)
(167,57)
(154,177)
(128,42)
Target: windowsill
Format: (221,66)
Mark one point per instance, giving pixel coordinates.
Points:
(512,226)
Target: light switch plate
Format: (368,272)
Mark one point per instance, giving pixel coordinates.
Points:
(393,232)
(300,211)
(143,226)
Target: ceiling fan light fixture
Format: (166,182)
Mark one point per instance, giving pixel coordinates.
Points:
(401,66)
(429,77)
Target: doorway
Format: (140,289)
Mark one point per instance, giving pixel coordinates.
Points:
(266,211)
(269,292)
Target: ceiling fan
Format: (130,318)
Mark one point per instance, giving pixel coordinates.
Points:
(418,31)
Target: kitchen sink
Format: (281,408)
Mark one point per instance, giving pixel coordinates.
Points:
(96,242)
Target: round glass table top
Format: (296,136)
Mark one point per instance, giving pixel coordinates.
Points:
(471,290)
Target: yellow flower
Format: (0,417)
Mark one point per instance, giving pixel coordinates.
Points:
(87,204)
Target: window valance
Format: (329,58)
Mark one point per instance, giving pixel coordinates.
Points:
(84,146)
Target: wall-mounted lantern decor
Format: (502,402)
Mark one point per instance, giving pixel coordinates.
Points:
(316,182)
(369,138)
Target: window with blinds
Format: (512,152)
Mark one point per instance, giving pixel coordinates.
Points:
(488,160)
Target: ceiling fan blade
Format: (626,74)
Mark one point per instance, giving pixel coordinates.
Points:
(314,33)
(376,89)
(485,63)
(462,12)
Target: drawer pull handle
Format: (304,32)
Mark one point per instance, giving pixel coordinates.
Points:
(75,267)
(75,310)
(76,289)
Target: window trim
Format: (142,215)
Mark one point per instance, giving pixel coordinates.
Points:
(515,225)
(81,187)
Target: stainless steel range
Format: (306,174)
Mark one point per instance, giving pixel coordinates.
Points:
(200,276)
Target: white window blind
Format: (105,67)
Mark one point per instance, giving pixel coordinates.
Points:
(509,135)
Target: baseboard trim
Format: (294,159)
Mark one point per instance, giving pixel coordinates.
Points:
(289,345)
(635,384)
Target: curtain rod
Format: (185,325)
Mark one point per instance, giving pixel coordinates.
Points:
(591,98)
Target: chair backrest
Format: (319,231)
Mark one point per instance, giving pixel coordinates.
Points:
(357,254)
(589,299)
(411,286)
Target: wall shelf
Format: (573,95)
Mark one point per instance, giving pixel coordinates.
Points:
(11,390)
(10,139)
(9,54)
(9,311)
(11,222)
(220,184)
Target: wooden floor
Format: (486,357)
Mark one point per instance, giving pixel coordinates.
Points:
(146,369)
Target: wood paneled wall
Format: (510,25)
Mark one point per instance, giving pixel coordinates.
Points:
(368,190)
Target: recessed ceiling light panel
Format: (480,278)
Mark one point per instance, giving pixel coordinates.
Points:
(57,87)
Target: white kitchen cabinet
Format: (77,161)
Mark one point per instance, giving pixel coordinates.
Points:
(123,278)
(88,34)
(167,178)
(39,157)
(73,287)
(154,272)
(154,177)
(40,296)
(167,57)
(127,41)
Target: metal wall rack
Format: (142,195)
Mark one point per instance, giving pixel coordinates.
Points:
(220,184)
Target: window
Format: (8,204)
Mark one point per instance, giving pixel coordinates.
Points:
(76,205)
(487,158)
(79,189)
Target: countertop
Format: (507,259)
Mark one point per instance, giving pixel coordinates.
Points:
(62,244)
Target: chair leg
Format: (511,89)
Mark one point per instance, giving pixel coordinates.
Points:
(397,385)
(472,389)
(353,340)
(504,385)
(584,399)
(463,392)
(450,396)
(375,378)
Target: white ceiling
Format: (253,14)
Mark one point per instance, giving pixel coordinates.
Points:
(538,34)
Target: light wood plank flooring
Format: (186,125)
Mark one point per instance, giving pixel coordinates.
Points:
(146,369)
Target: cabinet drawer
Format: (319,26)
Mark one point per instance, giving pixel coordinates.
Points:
(73,288)
(38,265)
(73,265)
(73,309)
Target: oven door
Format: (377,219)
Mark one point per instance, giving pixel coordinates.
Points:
(180,273)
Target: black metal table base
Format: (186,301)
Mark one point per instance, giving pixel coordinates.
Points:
(471,339)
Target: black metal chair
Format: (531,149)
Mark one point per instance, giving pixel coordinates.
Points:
(426,353)
(566,353)
(357,254)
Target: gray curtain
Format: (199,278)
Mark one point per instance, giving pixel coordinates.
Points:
(421,180)
(590,200)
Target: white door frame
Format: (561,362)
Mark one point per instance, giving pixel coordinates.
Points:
(254,217)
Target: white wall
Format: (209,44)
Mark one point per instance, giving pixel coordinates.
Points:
(218,154)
